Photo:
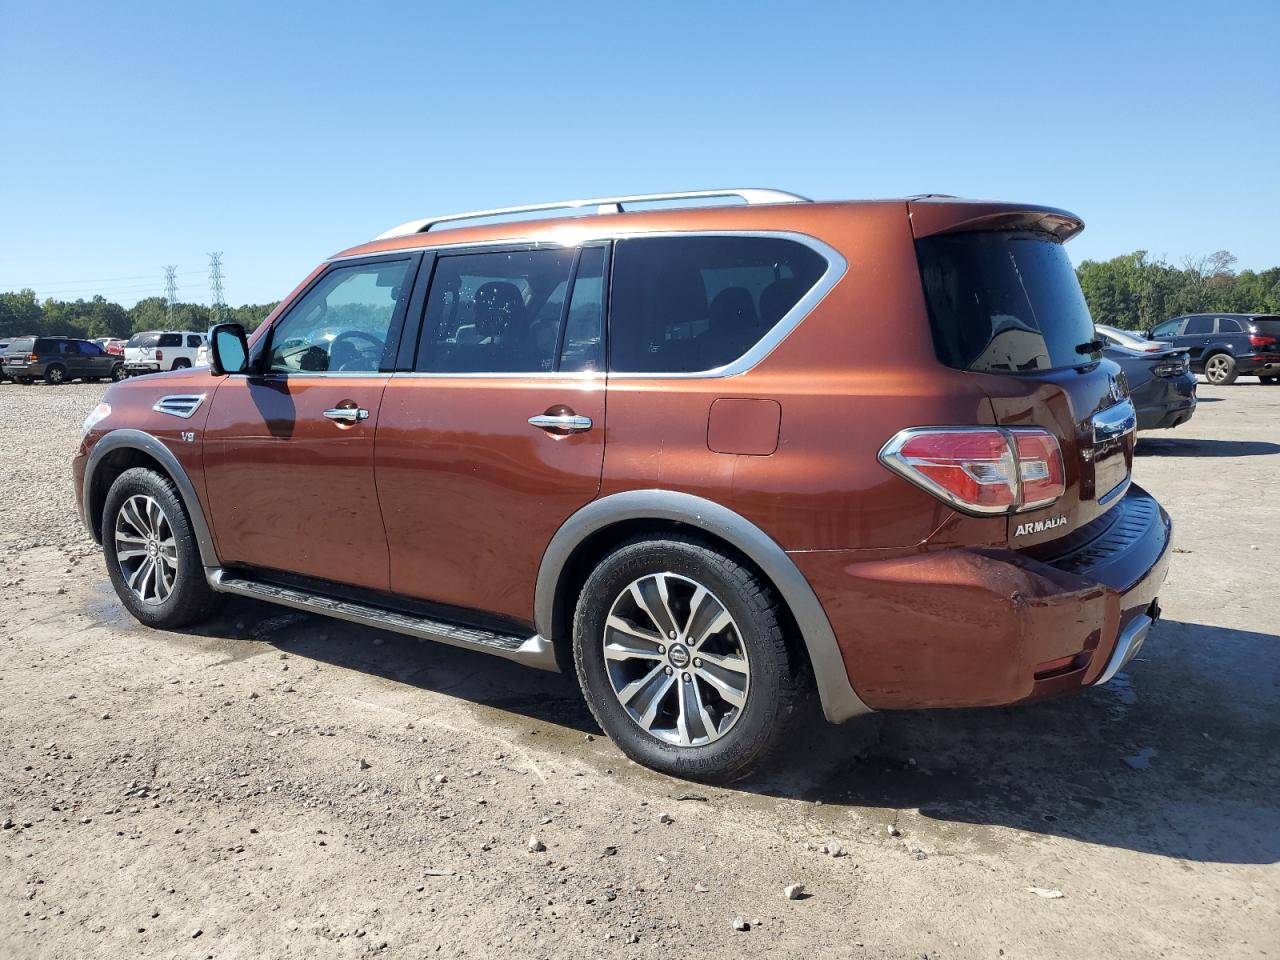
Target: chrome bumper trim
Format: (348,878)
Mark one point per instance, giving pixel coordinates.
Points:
(1127,646)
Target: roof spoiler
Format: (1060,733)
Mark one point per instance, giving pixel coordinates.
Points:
(934,215)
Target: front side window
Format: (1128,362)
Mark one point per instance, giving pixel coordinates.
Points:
(495,312)
(694,304)
(342,323)
(1169,328)
(1198,325)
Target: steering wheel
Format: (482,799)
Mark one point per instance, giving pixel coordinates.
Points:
(339,362)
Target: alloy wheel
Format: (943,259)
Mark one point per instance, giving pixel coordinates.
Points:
(56,375)
(676,660)
(1216,369)
(146,550)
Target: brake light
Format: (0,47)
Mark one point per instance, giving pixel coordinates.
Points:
(982,470)
(33,357)
(159,354)
(1258,340)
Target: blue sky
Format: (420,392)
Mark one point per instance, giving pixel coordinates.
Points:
(142,135)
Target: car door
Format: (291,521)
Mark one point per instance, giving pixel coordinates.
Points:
(496,436)
(1196,335)
(288,447)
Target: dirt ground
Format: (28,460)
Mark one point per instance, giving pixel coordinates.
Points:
(278,785)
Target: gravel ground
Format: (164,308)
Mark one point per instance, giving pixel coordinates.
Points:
(279,785)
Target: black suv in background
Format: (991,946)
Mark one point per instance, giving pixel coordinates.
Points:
(1224,346)
(59,359)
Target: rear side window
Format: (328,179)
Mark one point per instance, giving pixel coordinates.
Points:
(694,304)
(193,340)
(1004,302)
(1227,325)
(495,312)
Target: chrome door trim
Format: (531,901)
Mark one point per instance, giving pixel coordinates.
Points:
(347,414)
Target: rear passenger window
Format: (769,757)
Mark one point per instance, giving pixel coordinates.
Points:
(1198,325)
(495,312)
(693,304)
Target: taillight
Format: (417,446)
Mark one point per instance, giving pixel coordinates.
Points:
(983,470)
(33,357)
(159,354)
(1258,340)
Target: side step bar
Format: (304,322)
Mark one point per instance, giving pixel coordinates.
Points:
(532,651)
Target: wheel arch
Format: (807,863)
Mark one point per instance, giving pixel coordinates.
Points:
(121,450)
(587,535)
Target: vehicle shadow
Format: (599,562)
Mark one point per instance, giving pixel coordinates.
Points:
(1174,757)
(1171,447)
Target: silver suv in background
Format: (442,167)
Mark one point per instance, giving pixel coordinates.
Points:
(154,350)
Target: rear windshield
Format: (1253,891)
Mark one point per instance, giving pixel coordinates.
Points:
(143,340)
(1004,302)
(1267,326)
(21,346)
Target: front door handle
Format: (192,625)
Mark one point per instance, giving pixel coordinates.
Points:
(561,423)
(347,414)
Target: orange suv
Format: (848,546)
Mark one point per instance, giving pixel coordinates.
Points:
(713,458)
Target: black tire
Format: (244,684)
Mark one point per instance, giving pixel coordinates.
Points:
(55,373)
(25,381)
(778,676)
(190,598)
(118,372)
(182,363)
(1220,369)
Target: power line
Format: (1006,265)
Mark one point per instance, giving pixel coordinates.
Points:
(76,283)
(170,292)
(215,285)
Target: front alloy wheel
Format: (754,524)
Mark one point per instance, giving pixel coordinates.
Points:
(676,661)
(146,550)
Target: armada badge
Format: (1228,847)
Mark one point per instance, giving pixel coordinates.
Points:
(1038,526)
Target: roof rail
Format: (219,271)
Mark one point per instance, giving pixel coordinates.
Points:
(602,205)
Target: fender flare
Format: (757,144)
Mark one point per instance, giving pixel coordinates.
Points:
(839,700)
(130,439)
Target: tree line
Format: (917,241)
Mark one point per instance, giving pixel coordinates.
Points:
(23,313)
(1134,291)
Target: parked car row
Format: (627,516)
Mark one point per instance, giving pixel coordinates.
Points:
(60,359)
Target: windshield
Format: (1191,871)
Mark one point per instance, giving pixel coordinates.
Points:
(1004,302)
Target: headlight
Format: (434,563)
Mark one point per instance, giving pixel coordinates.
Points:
(100,413)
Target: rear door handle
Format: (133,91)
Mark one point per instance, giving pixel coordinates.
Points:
(561,423)
(347,414)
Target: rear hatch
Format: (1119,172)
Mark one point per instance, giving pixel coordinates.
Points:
(141,348)
(17,352)
(1265,338)
(1004,304)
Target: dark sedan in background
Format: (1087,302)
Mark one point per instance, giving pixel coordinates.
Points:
(1161,383)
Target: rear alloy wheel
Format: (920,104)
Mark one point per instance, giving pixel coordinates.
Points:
(151,552)
(55,374)
(681,655)
(1220,369)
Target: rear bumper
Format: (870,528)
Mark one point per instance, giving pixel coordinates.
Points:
(139,367)
(1267,364)
(1165,402)
(985,627)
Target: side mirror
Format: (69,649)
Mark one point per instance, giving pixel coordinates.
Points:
(228,349)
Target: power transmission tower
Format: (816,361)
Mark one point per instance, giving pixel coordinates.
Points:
(170,293)
(215,285)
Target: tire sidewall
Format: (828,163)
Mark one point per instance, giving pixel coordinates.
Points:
(186,591)
(760,635)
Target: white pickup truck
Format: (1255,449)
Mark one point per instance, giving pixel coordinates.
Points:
(154,350)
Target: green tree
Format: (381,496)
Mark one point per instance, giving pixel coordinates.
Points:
(19,313)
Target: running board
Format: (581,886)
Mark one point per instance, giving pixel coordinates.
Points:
(532,651)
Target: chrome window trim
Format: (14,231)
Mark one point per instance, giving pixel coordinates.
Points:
(837,267)
(580,375)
